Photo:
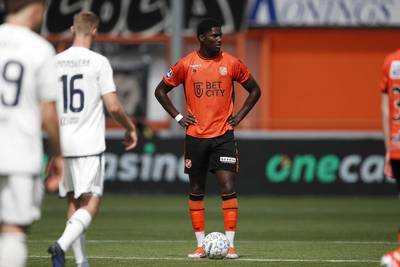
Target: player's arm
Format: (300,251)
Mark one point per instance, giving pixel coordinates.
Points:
(254,91)
(161,93)
(386,132)
(385,119)
(50,124)
(117,112)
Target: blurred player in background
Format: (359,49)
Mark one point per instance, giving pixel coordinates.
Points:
(85,83)
(390,87)
(27,102)
(208,76)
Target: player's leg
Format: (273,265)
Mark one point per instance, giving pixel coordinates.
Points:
(83,180)
(76,226)
(225,165)
(392,258)
(20,200)
(226,184)
(79,245)
(13,248)
(79,221)
(196,165)
(196,211)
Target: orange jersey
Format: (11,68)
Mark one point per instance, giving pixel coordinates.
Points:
(391,85)
(208,87)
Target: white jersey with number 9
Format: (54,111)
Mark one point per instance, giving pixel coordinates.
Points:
(27,78)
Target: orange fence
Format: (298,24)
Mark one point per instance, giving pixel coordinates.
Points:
(311,78)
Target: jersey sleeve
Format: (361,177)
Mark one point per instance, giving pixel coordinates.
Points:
(240,72)
(47,79)
(383,86)
(106,78)
(175,75)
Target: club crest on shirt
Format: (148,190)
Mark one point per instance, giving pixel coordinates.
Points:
(198,89)
(169,73)
(223,70)
(188,163)
(395,70)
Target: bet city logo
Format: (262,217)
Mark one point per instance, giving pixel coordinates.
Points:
(307,168)
(211,89)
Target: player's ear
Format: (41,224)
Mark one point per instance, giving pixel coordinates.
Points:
(72,29)
(201,37)
(94,31)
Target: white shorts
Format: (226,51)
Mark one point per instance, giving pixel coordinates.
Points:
(83,175)
(20,199)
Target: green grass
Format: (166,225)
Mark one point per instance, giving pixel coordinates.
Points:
(155,230)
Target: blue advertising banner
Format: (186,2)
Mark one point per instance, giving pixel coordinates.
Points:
(325,13)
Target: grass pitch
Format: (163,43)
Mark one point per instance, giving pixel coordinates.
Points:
(155,230)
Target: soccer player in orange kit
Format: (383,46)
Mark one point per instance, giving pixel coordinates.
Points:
(208,75)
(390,87)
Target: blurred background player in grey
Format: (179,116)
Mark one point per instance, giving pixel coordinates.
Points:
(390,88)
(85,83)
(27,101)
(208,75)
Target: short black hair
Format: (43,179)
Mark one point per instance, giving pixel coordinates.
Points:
(206,24)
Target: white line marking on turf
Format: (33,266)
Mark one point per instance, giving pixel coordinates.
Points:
(240,259)
(341,242)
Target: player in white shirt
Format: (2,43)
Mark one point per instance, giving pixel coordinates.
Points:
(27,101)
(85,83)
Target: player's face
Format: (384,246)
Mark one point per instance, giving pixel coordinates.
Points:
(213,40)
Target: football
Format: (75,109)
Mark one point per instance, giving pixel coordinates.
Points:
(216,245)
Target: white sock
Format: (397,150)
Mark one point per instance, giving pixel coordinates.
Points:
(79,249)
(76,225)
(231,237)
(13,250)
(83,264)
(199,238)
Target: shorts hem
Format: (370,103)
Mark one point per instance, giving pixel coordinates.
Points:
(76,196)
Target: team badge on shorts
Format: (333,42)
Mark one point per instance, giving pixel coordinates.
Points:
(188,163)
(223,70)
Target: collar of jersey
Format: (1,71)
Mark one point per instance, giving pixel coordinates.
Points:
(209,58)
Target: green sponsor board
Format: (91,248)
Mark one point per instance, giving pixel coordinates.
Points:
(325,169)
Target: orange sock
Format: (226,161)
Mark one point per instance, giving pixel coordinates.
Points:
(230,211)
(196,209)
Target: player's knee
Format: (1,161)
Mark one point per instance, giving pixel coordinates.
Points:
(13,228)
(227,188)
(197,189)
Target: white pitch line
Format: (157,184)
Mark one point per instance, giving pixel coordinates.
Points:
(240,259)
(340,242)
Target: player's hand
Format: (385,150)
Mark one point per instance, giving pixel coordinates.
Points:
(387,171)
(187,120)
(234,120)
(130,140)
(54,173)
